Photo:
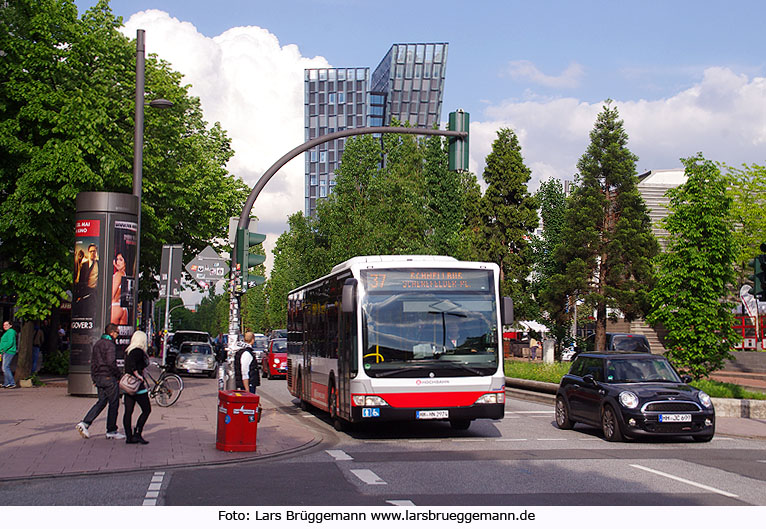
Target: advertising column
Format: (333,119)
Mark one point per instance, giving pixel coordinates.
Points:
(102,281)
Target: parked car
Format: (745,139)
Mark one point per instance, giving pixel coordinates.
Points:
(197,358)
(260,347)
(180,337)
(620,341)
(632,394)
(274,363)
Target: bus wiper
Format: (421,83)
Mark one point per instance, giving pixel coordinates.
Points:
(402,370)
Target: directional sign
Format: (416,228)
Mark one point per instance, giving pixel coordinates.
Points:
(207,267)
(170,270)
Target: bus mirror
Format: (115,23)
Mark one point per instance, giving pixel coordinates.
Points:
(349,295)
(506,311)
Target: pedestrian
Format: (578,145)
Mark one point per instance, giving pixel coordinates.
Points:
(38,339)
(246,372)
(136,361)
(533,348)
(106,376)
(8,352)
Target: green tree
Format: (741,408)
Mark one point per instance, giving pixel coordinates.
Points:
(509,216)
(695,273)
(66,126)
(445,206)
(608,244)
(747,186)
(552,201)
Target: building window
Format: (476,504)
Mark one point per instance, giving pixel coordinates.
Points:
(331,99)
(313,156)
(322,191)
(341,98)
(323,157)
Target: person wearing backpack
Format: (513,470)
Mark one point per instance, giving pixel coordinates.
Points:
(8,351)
(246,371)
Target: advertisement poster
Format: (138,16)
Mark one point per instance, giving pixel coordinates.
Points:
(85,293)
(123,277)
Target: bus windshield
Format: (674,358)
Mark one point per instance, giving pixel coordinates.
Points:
(429,323)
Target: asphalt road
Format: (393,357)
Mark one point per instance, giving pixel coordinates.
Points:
(521,460)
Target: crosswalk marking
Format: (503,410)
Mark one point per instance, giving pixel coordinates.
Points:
(339,455)
(153,492)
(368,476)
(401,503)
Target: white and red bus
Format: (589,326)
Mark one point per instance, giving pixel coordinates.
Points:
(400,338)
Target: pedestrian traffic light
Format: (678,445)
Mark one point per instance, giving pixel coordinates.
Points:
(759,275)
(458,147)
(244,260)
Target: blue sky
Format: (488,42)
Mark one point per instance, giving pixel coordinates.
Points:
(686,76)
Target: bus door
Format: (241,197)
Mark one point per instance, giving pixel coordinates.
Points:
(347,347)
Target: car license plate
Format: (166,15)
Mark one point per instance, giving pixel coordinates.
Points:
(432,414)
(195,371)
(676,417)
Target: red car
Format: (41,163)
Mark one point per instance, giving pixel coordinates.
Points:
(274,362)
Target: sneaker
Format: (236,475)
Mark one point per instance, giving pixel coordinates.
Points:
(83,429)
(115,435)
(9,386)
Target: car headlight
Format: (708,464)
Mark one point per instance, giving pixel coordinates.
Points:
(628,399)
(211,361)
(368,400)
(705,399)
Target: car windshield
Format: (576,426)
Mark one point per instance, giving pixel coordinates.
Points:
(419,324)
(180,337)
(632,370)
(196,349)
(630,343)
(261,344)
(279,346)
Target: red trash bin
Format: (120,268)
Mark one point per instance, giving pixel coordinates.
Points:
(237,421)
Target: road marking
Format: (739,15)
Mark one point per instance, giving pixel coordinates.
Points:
(551,439)
(401,503)
(688,482)
(762,460)
(509,440)
(368,476)
(538,412)
(153,492)
(424,440)
(339,455)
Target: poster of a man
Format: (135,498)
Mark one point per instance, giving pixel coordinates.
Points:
(86,277)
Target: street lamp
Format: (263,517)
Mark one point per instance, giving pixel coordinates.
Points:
(138,147)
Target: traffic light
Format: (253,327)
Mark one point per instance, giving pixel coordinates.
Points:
(458,147)
(244,260)
(759,275)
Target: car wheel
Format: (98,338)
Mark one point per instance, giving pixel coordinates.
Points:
(610,425)
(562,415)
(213,372)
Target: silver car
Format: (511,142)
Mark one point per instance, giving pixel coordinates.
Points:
(196,358)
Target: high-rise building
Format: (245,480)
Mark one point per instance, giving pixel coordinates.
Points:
(407,85)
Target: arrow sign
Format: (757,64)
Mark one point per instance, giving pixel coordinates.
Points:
(207,267)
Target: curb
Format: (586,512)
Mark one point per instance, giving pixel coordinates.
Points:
(545,392)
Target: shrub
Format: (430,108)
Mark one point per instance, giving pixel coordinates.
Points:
(56,363)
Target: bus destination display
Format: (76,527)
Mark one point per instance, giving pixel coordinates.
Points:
(426,280)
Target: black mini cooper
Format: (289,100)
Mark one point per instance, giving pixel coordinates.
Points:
(631,394)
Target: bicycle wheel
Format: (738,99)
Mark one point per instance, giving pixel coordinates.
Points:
(168,390)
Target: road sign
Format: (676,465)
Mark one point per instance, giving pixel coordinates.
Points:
(207,267)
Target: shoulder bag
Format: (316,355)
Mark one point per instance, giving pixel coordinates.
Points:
(130,384)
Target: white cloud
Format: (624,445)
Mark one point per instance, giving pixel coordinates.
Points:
(253,86)
(526,70)
(723,116)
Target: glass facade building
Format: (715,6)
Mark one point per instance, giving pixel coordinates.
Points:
(407,85)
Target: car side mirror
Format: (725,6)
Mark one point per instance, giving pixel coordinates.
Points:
(588,379)
(686,379)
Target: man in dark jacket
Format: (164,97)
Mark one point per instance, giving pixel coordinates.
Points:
(246,371)
(106,377)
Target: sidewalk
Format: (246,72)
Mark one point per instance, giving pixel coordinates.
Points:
(38,436)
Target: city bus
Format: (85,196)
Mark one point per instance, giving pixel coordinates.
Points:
(406,338)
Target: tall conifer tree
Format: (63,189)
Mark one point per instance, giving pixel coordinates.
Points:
(608,244)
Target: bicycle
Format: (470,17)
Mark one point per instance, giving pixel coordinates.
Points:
(166,388)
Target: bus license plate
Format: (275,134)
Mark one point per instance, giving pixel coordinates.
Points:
(432,414)
(676,417)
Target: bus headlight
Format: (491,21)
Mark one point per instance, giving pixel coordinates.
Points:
(368,400)
(491,398)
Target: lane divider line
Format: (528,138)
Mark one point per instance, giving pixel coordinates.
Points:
(686,481)
(339,455)
(153,492)
(368,476)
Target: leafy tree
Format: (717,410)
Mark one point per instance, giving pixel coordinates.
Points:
(66,126)
(747,186)
(607,243)
(509,216)
(552,210)
(695,272)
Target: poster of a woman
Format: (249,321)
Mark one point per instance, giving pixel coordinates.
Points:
(119,313)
